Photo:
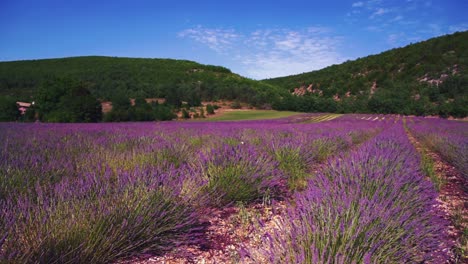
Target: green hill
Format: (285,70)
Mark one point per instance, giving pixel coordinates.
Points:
(430,77)
(135,77)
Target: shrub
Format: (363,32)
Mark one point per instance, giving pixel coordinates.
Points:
(99,219)
(185,114)
(238,174)
(448,138)
(210,109)
(202,113)
(293,165)
(324,147)
(8,109)
(236,105)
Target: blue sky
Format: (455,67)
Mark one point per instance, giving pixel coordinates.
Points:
(257,39)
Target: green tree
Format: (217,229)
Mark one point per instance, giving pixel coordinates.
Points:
(185,114)
(202,112)
(67,100)
(236,105)
(120,101)
(142,111)
(163,112)
(79,105)
(210,109)
(8,109)
(174,96)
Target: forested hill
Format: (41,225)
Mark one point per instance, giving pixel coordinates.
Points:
(429,77)
(134,77)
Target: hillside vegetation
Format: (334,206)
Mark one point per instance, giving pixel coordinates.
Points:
(426,78)
(135,77)
(430,77)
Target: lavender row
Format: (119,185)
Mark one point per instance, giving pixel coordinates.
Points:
(372,206)
(448,138)
(46,153)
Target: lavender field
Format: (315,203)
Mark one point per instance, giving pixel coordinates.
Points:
(353,189)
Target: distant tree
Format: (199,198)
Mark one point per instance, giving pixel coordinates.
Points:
(8,109)
(191,93)
(140,102)
(236,105)
(67,100)
(174,97)
(460,107)
(163,112)
(210,109)
(202,112)
(185,114)
(48,95)
(80,106)
(141,111)
(120,101)
(454,86)
(30,115)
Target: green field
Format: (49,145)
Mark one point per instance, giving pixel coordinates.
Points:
(321,118)
(251,115)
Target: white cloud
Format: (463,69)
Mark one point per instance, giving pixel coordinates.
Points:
(380,11)
(395,39)
(292,52)
(459,27)
(267,53)
(374,28)
(435,29)
(216,39)
(397,18)
(358,4)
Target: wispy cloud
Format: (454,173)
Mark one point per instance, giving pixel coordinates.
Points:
(217,39)
(358,4)
(458,27)
(397,18)
(379,12)
(396,38)
(372,9)
(266,53)
(284,52)
(400,23)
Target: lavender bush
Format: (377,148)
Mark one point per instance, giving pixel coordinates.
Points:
(238,174)
(100,218)
(448,138)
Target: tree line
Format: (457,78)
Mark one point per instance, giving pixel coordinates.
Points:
(69,100)
(136,77)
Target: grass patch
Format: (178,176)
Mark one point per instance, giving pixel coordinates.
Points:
(322,118)
(427,166)
(251,115)
(238,174)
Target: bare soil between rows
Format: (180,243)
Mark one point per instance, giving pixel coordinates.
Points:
(452,200)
